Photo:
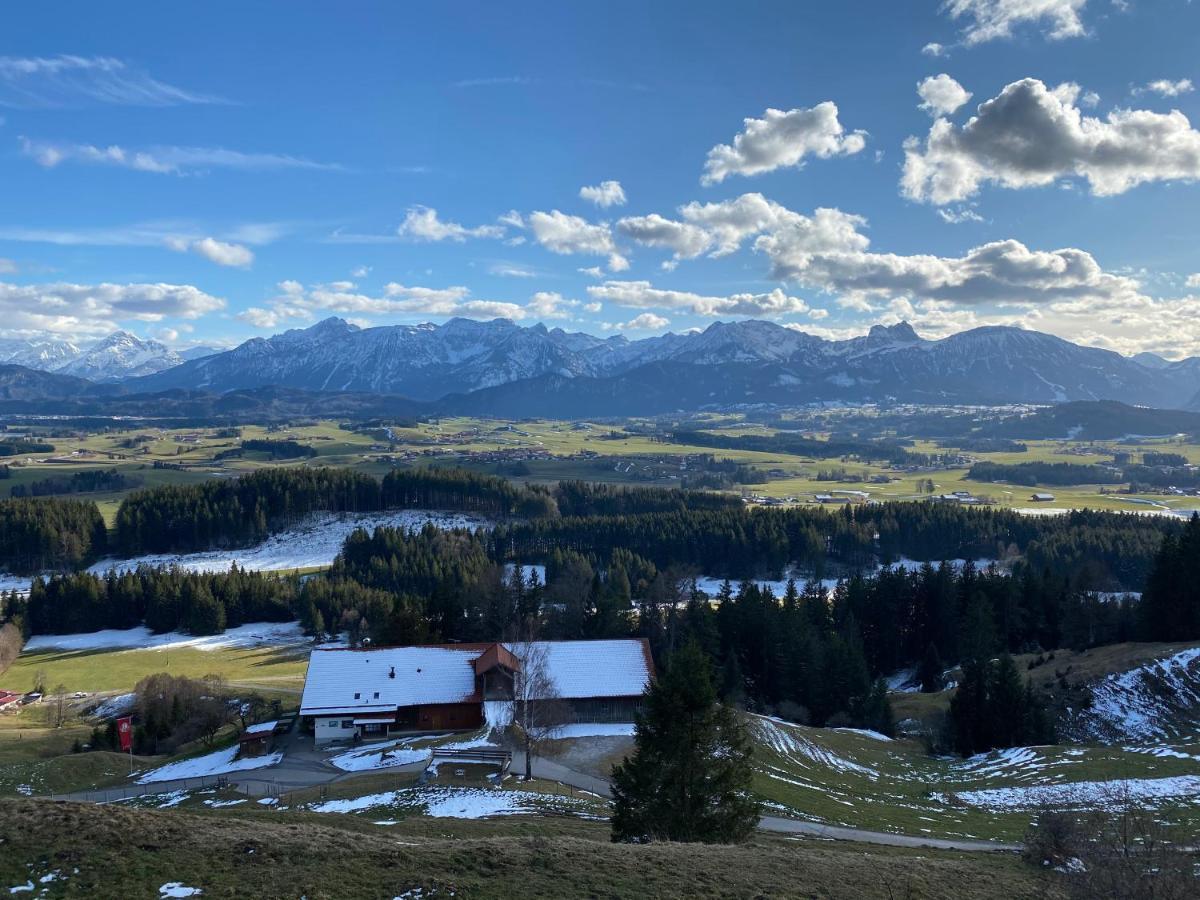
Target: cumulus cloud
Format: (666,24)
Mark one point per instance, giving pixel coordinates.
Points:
(941,95)
(781,139)
(566,235)
(642,295)
(87,310)
(163,160)
(421,223)
(1031,135)
(933,49)
(989,20)
(604,194)
(644,322)
(62,81)
(1193,281)
(220,252)
(1166,88)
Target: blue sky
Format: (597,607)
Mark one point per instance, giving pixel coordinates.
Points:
(208,173)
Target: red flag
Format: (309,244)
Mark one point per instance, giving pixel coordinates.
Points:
(125,732)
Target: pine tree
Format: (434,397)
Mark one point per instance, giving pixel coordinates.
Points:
(689,776)
(929,672)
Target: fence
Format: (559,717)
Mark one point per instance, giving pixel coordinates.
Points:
(132,791)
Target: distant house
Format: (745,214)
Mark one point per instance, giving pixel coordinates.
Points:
(8,699)
(371,693)
(257,740)
(1042,498)
(829,498)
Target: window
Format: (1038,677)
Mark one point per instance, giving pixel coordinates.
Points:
(347,723)
(356,695)
(377,695)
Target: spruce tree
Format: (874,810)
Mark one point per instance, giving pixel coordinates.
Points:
(689,776)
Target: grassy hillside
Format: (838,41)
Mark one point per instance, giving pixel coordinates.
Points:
(110,851)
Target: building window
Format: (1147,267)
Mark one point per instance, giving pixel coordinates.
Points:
(347,723)
(357,696)
(377,695)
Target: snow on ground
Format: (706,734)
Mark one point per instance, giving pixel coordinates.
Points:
(497,714)
(711,585)
(112,707)
(218,763)
(166,800)
(597,729)
(1082,794)
(781,737)
(380,756)
(178,889)
(1142,703)
(865,732)
(1011,762)
(456,802)
(314,543)
(526,571)
(903,682)
(259,634)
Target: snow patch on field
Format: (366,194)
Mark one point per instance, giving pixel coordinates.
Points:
(313,543)
(865,732)
(380,756)
(457,803)
(178,889)
(244,637)
(1149,703)
(219,763)
(1081,794)
(781,737)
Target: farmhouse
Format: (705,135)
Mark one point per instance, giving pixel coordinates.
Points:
(374,692)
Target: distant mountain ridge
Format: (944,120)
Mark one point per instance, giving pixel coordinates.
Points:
(745,362)
(507,369)
(115,357)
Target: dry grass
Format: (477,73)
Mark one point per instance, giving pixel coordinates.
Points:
(110,852)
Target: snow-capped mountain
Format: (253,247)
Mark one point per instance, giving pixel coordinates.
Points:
(118,356)
(726,363)
(44,355)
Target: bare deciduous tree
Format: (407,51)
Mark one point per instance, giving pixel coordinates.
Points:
(537,710)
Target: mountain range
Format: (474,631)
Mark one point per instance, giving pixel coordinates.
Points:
(499,367)
(116,357)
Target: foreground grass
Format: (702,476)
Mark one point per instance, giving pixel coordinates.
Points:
(110,851)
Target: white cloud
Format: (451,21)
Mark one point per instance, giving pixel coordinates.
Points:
(782,139)
(1193,281)
(565,235)
(7,266)
(63,81)
(941,95)
(604,194)
(1031,135)
(933,49)
(222,253)
(988,20)
(1166,88)
(421,223)
(296,301)
(164,160)
(959,215)
(685,240)
(644,322)
(592,272)
(511,270)
(360,271)
(87,310)
(642,295)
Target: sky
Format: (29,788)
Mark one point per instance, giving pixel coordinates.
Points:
(208,173)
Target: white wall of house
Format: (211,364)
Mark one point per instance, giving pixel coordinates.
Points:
(334,728)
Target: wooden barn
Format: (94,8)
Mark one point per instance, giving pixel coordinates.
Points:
(374,692)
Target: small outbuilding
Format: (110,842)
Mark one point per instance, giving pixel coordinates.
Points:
(257,740)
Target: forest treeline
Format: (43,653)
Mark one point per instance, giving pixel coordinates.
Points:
(87,481)
(49,533)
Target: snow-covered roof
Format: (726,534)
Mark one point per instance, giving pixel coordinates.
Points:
(260,728)
(595,668)
(446,674)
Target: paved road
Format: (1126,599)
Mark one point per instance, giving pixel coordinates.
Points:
(546,768)
(304,767)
